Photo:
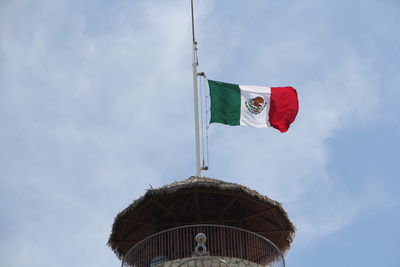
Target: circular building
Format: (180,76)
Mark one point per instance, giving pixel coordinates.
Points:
(241,227)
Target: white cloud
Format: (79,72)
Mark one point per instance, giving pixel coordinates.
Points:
(338,88)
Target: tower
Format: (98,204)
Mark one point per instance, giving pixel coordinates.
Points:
(202,222)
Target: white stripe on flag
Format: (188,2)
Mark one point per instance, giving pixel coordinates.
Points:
(254,119)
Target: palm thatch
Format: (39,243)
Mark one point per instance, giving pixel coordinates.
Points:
(200,201)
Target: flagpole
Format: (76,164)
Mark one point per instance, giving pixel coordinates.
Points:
(196,98)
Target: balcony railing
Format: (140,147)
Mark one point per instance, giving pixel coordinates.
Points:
(224,247)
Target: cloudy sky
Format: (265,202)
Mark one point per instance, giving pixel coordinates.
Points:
(96,106)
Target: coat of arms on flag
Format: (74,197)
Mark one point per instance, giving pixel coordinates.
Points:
(255,105)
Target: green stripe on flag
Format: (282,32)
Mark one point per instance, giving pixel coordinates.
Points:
(225,103)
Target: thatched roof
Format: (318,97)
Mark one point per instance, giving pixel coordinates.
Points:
(200,201)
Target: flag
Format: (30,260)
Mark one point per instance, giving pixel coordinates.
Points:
(255,106)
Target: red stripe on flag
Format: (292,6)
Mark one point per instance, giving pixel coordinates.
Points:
(283,109)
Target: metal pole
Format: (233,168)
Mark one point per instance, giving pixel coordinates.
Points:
(192,8)
(196,100)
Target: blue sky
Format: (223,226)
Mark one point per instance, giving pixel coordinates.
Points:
(96,105)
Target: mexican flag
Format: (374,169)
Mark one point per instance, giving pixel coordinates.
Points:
(255,106)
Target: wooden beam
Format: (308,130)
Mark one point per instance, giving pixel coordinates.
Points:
(256,215)
(137,221)
(121,232)
(164,208)
(258,201)
(239,222)
(189,207)
(141,207)
(217,191)
(279,240)
(229,205)
(131,232)
(273,222)
(198,211)
(278,219)
(227,221)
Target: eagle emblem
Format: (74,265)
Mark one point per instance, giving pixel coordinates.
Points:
(255,105)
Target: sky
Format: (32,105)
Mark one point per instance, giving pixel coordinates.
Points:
(96,106)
